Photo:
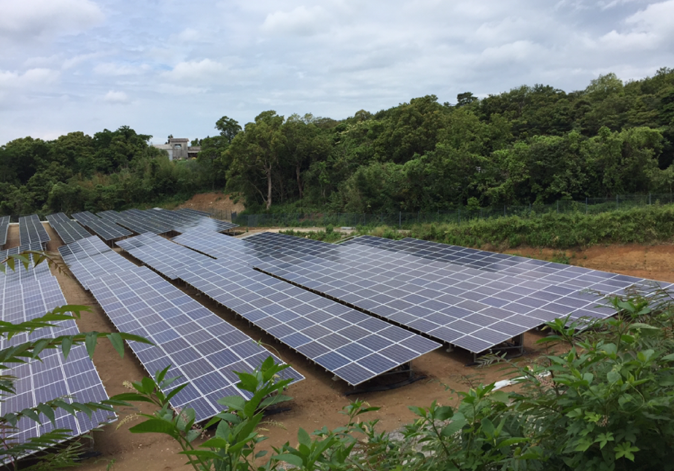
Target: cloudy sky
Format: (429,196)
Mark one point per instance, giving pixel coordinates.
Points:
(175,67)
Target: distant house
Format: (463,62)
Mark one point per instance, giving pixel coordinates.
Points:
(178,148)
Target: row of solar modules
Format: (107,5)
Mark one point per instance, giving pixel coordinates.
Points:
(204,350)
(4,229)
(68,229)
(476,307)
(26,294)
(31,231)
(105,229)
(113,225)
(351,345)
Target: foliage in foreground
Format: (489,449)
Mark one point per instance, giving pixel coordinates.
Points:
(605,404)
(561,231)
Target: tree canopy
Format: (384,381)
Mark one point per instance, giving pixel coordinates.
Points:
(529,145)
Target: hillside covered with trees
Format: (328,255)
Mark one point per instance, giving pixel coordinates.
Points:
(533,144)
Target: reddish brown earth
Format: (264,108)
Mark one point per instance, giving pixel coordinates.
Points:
(213,201)
(318,399)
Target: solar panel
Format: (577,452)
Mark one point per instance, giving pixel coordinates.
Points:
(184,221)
(467,306)
(53,377)
(105,229)
(31,230)
(204,350)
(193,211)
(133,221)
(90,258)
(67,229)
(161,254)
(353,346)
(4,229)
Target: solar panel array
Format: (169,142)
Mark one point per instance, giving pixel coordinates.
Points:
(186,219)
(161,254)
(25,296)
(203,349)
(134,221)
(31,230)
(90,258)
(68,229)
(4,229)
(353,346)
(474,305)
(105,229)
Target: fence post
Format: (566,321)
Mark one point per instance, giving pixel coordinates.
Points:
(400,219)
(586,205)
(649,199)
(504,210)
(458,215)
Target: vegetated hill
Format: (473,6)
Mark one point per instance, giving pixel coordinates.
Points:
(532,144)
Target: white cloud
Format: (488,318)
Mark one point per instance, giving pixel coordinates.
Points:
(301,21)
(115,69)
(30,78)
(33,18)
(189,34)
(333,57)
(650,28)
(116,97)
(206,72)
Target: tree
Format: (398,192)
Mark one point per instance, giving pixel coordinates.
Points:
(254,155)
(228,128)
(465,99)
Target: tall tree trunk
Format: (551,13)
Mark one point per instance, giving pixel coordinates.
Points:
(299,181)
(268,188)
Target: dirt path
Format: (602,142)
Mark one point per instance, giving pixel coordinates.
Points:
(318,399)
(655,262)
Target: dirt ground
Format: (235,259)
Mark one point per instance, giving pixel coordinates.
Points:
(215,200)
(318,399)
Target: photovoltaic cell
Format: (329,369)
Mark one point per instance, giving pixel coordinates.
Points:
(204,350)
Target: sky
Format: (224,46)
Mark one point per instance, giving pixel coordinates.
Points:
(174,67)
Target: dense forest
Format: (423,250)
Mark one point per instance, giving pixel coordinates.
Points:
(530,145)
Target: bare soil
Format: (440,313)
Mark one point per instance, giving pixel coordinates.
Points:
(216,201)
(318,399)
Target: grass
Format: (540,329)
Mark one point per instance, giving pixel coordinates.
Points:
(642,225)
